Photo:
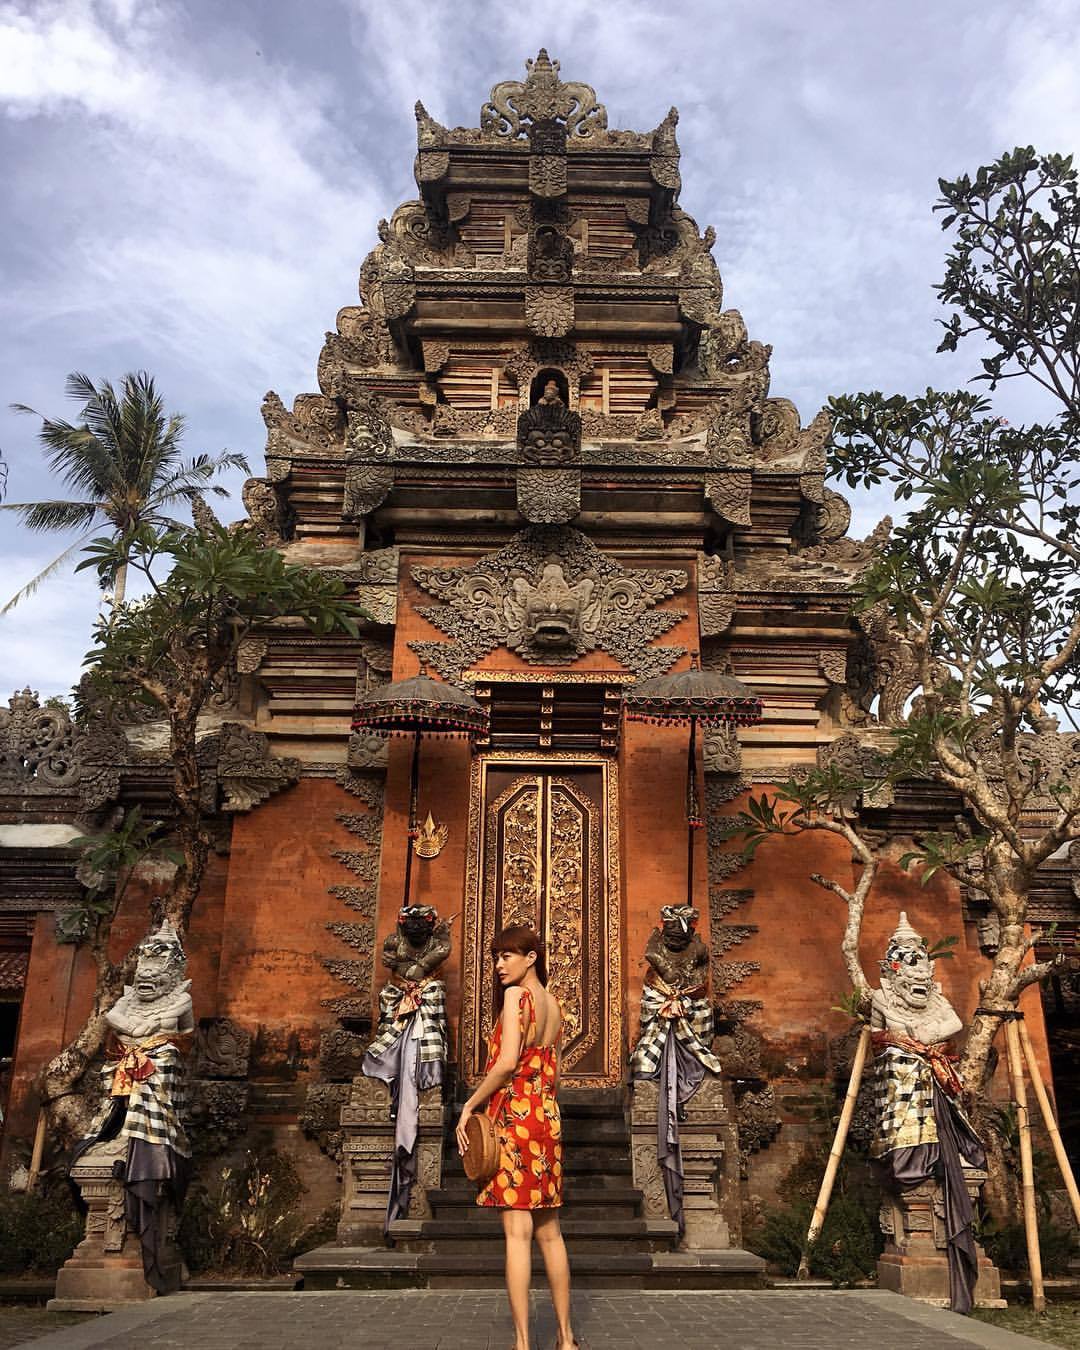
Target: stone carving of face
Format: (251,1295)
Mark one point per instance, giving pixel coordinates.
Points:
(158,969)
(909,973)
(417,923)
(551,445)
(677,925)
(553,607)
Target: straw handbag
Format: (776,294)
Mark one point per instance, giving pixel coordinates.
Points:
(481,1158)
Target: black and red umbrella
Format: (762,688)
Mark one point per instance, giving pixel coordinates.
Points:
(419,706)
(685,698)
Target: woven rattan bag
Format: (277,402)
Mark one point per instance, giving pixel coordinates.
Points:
(481,1158)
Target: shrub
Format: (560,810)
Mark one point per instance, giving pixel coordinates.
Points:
(850,1242)
(245,1221)
(1006,1245)
(845,1252)
(38,1231)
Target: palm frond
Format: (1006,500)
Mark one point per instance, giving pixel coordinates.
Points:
(196,474)
(54,515)
(46,572)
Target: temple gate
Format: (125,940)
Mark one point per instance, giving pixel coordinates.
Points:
(550,465)
(548,857)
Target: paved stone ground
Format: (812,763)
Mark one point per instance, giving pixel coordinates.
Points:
(465,1320)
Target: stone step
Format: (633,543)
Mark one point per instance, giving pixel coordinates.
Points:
(588,1166)
(595,1132)
(480,1234)
(332,1267)
(608,1202)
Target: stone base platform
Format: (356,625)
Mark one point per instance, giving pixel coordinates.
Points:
(468,1319)
(333,1267)
(926,1278)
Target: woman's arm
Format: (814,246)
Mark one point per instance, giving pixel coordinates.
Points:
(502,1070)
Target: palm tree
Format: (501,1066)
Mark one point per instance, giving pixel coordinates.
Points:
(122,460)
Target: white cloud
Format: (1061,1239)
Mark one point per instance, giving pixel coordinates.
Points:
(1040,100)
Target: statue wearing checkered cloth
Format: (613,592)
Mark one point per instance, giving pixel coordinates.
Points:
(673,1043)
(922,1131)
(143,1078)
(409,1048)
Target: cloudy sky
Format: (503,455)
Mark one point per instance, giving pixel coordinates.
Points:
(191,187)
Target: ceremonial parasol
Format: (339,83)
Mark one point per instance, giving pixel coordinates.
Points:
(416,707)
(689,697)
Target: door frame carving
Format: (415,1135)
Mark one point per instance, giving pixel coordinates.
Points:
(470,1035)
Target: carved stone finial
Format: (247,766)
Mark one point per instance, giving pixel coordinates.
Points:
(543,96)
(429,133)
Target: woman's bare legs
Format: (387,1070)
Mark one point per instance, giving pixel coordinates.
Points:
(553,1249)
(518,1231)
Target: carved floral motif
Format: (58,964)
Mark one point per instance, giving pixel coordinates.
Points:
(551,596)
(542,96)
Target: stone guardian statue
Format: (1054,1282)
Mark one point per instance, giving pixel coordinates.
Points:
(673,1044)
(137,1146)
(409,1049)
(922,1134)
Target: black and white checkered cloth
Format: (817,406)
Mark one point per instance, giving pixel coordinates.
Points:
(904,1098)
(432,1014)
(155,1106)
(693,1025)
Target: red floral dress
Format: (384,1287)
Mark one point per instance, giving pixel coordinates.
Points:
(527,1124)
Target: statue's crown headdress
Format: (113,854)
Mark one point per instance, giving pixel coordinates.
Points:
(165,938)
(428,912)
(684,914)
(905,944)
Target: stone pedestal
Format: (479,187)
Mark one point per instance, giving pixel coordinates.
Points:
(368,1154)
(914,1261)
(710,1153)
(105,1270)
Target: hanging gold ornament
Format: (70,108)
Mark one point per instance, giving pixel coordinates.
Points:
(430,839)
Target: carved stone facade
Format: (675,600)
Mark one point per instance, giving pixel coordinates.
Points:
(547,462)
(551,596)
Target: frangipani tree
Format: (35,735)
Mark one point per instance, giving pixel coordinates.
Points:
(979,587)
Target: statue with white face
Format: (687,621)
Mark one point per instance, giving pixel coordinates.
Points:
(910,1001)
(158,1000)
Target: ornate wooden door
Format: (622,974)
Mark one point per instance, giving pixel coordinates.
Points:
(544,860)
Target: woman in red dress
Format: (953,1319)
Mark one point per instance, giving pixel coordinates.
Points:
(518,1092)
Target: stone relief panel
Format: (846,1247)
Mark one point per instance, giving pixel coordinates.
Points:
(43,752)
(360,896)
(549,496)
(550,596)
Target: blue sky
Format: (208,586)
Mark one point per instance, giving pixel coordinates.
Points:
(191,188)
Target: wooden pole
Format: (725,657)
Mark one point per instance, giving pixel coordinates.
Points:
(37,1152)
(410,829)
(1048,1118)
(817,1221)
(691,809)
(1027,1175)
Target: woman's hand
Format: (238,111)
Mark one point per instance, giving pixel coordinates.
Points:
(459,1132)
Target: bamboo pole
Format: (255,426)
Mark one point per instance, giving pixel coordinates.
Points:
(1048,1118)
(38,1151)
(1027,1178)
(817,1220)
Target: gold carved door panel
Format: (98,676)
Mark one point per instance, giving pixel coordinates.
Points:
(544,860)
